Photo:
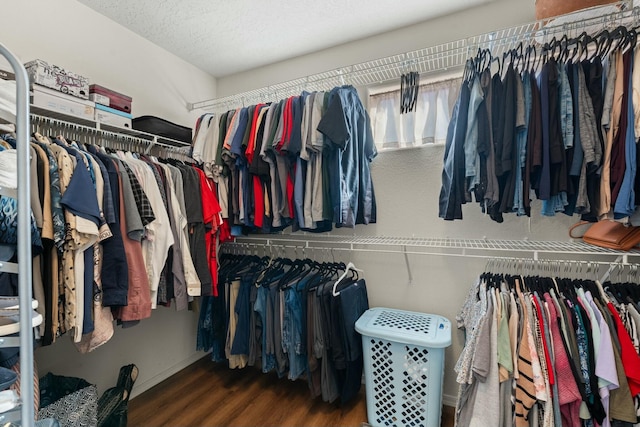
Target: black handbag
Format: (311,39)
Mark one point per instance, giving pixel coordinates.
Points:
(113,405)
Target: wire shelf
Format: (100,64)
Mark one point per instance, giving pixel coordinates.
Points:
(485,248)
(74,123)
(450,56)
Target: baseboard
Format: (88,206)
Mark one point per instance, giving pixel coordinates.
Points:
(449,400)
(141,387)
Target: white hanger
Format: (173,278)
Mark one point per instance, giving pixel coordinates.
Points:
(349,267)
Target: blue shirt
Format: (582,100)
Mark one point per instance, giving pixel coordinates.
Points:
(347,126)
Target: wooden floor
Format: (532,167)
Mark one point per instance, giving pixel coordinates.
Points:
(210,394)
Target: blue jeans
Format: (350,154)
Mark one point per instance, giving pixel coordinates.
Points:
(243,310)
(625,203)
(268,359)
(521,141)
(292,333)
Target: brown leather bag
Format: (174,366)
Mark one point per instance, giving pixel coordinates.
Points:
(612,235)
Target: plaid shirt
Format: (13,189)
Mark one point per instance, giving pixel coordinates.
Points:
(142,201)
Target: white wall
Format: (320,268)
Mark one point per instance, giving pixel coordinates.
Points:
(407,183)
(494,15)
(70,35)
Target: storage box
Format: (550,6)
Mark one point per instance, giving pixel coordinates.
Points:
(57,78)
(403,366)
(99,99)
(57,101)
(161,127)
(116,100)
(112,116)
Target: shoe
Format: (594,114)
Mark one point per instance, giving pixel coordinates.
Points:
(13,303)
(10,321)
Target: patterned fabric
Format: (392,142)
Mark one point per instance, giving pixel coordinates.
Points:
(78,409)
(525,389)
(9,223)
(56,209)
(162,284)
(36,384)
(469,318)
(67,291)
(583,349)
(142,201)
(547,413)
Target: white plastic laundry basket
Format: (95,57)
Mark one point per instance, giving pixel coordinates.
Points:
(403,366)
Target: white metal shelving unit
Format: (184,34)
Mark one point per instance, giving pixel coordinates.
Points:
(35,117)
(474,248)
(544,253)
(23,267)
(47,118)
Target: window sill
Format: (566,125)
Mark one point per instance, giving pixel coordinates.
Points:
(412,147)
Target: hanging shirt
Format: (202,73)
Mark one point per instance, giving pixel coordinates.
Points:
(203,125)
(614,123)
(196,230)
(625,204)
(472,160)
(618,157)
(185,276)
(80,199)
(630,358)
(114,276)
(158,238)
(346,124)
(139,295)
(450,196)
(211,219)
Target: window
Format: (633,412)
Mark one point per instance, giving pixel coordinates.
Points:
(427,124)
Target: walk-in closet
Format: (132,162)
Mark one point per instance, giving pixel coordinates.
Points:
(320,213)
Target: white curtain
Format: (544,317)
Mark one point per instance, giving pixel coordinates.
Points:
(427,124)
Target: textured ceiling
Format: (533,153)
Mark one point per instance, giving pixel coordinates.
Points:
(224,37)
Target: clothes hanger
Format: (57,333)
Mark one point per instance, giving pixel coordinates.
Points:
(350,267)
(517,56)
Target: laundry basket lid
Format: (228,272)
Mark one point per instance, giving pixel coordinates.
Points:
(408,327)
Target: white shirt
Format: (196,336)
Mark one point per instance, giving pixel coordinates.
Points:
(158,237)
(179,226)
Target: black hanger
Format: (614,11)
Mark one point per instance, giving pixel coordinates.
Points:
(496,59)
(508,54)
(299,269)
(564,48)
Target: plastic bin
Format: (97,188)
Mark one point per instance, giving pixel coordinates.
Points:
(403,366)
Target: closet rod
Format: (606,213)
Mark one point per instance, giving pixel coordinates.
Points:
(553,262)
(445,57)
(553,265)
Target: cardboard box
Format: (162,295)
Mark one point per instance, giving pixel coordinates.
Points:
(54,77)
(112,117)
(99,99)
(117,100)
(59,102)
